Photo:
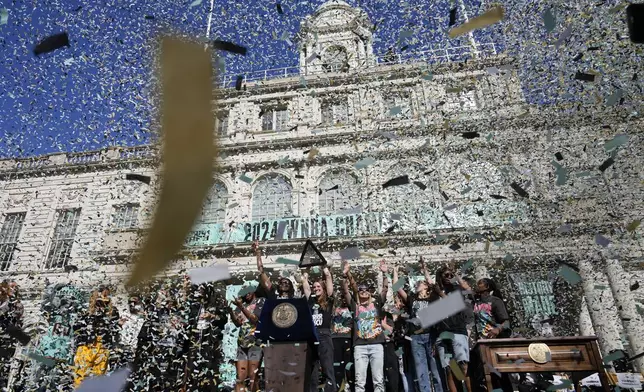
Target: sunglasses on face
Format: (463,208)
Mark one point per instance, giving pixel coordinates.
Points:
(448,275)
(362,289)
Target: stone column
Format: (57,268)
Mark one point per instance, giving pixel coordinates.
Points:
(601,305)
(585,322)
(619,284)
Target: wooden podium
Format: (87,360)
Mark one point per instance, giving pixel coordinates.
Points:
(286,328)
(578,354)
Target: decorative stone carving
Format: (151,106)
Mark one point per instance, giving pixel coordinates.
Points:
(72,195)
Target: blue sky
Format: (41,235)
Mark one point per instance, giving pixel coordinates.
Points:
(99,92)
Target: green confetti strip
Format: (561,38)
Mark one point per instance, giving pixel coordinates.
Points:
(615,142)
(349,364)
(613,357)
(549,20)
(570,275)
(565,384)
(399,284)
(4,16)
(361,164)
(246,179)
(284,260)
(466,267)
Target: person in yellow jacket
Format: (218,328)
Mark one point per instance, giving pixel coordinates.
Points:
(94,336)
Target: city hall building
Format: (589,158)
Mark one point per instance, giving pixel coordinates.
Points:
(433,154)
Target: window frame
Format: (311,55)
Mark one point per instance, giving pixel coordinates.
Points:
(219,218)
(222,123)
(398,97)
(333,104)
(274,110)
(134,217)
(341,200)
(62,240)
(281,205)
(9,238)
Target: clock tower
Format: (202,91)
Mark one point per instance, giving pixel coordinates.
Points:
(336,38)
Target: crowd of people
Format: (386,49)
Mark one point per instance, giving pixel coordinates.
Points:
(370,333)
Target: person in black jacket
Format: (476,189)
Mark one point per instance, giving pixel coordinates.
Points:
(453,342)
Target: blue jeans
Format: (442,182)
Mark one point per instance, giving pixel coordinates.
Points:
(369,355)
(421,349)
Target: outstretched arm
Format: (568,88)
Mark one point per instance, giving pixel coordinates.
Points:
(328,281)
(249,315)
(351,283)
(264,280)
(385,281)
(401,291)
(306,287)
(423,268)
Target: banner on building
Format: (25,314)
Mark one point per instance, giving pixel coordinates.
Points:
(356,225)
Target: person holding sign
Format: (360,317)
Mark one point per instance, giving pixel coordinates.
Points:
(321,303)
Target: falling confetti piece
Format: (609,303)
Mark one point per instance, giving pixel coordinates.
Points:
(492,16)
(570,275)
(549,20)
(631,227)
(634,286)
(213,273)
(138,177)
(113,382)
(613,357)
(402,180)
(283,260)
(606,164)
(189,151)
(195,3)
(51,43)
(229,47)
(615,142)
(246,179)
(4,16)
(601,240)
(399,284)
(361,164)
(586,77)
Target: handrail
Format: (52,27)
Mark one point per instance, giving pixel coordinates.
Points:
(431,56)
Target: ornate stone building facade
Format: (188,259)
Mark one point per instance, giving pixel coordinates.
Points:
(309,152)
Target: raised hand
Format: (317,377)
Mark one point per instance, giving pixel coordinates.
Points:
(383,266)
(345,267)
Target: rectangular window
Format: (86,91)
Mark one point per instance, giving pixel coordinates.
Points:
(334,113)
(465,100)
(126,216)
(9,238)
(398,105)
(222,124)
(64,233)
(275,120)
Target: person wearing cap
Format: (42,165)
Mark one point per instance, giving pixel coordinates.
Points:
(368,336)
(456,346)
(321,301)
(284,289)
(421,339)
(249,352)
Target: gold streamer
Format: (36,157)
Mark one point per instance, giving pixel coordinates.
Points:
(188,153)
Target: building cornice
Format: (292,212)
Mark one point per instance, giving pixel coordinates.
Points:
(147,156)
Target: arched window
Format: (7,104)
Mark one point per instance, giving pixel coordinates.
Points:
(337,191)
(335,59)
(214,207)
(272,198)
